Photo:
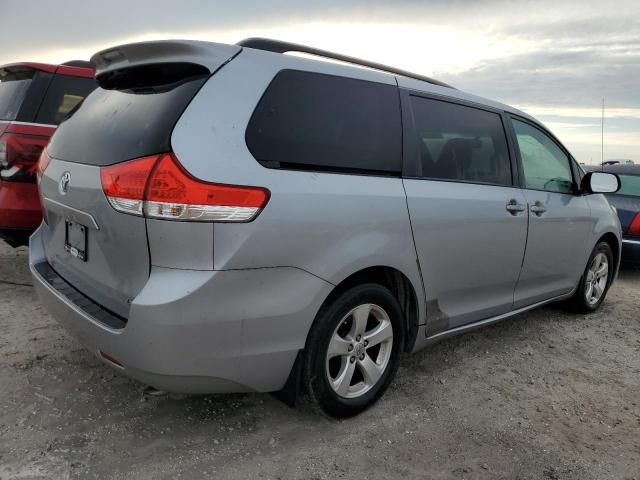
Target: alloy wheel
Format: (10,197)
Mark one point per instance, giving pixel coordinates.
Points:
(359,350)
(596,279)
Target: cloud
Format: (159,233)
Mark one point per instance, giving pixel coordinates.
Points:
(557,76)
(556,59)
(579,112)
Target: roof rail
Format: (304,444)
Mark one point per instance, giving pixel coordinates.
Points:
(79,63)
(278,46)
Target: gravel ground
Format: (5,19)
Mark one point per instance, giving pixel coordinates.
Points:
(547,395)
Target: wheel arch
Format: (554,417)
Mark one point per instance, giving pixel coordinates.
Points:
(400,286)
(409,296)
(612,240)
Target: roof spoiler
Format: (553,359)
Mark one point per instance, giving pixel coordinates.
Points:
(206,54)
(18,66)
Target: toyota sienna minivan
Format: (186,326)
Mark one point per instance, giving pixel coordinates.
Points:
(231,218)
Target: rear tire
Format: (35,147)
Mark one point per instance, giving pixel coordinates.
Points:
(595,281)
(353,350)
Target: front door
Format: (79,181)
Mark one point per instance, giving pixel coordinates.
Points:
(559,218)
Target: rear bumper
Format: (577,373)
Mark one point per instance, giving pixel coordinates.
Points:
(20,207)
(631,251)
(199,331)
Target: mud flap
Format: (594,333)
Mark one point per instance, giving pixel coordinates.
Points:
(291,390)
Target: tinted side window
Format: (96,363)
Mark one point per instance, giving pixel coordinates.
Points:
(460,143)
(64,94)
(545,166)
(312,121)
(630,185)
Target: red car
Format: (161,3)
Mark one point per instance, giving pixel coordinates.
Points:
(34,99)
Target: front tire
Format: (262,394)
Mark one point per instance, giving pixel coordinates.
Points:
(353,350)
(595,281)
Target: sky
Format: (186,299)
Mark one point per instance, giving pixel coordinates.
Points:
(556,60)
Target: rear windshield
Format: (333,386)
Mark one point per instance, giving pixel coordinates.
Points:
(63,95)
(112,126)
(630,185)
(13,88)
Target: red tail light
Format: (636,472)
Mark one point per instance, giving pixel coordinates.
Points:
(159,187)
(634,227)
(124,184)
(19,155)
(43,163)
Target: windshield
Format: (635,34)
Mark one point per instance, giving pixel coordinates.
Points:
(112,126)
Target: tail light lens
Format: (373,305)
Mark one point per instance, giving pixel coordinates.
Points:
(43,163)
(19,154)
(159,187)
(634,227)
(125,184)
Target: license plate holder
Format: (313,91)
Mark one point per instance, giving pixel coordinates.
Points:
(75,239)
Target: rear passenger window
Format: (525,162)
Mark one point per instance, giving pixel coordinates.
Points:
(460,143)
(64,94)
(311,121)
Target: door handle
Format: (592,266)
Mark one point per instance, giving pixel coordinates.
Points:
(538,208)
(513,207)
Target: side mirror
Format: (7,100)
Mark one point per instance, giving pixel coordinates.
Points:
(600,182)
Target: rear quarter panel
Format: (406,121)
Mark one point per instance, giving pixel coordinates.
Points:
(330,225)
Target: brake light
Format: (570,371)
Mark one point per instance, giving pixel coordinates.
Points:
(159,187)
(634,227)
(43,163)
(124,184)
(19,154)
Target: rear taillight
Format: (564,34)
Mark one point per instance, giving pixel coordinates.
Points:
(159,187)
(125,184)
(43,163)
(634,227)
(19,155)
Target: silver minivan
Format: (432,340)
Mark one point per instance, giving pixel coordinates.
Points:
(231,218)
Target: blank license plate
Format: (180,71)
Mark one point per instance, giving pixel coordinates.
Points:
(75,240)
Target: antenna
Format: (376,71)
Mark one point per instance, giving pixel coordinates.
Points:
(602,163)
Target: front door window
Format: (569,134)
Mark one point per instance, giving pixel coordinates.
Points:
(545,165)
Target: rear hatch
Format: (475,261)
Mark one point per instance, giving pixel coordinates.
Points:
(22,88)
(143,91)
(33,100)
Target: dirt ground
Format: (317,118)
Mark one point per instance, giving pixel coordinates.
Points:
(546,395)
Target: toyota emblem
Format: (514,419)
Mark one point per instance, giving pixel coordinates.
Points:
(64,182)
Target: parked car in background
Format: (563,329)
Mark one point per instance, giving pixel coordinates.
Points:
(34,99)
(627,203)
(226,218)
(617,162)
